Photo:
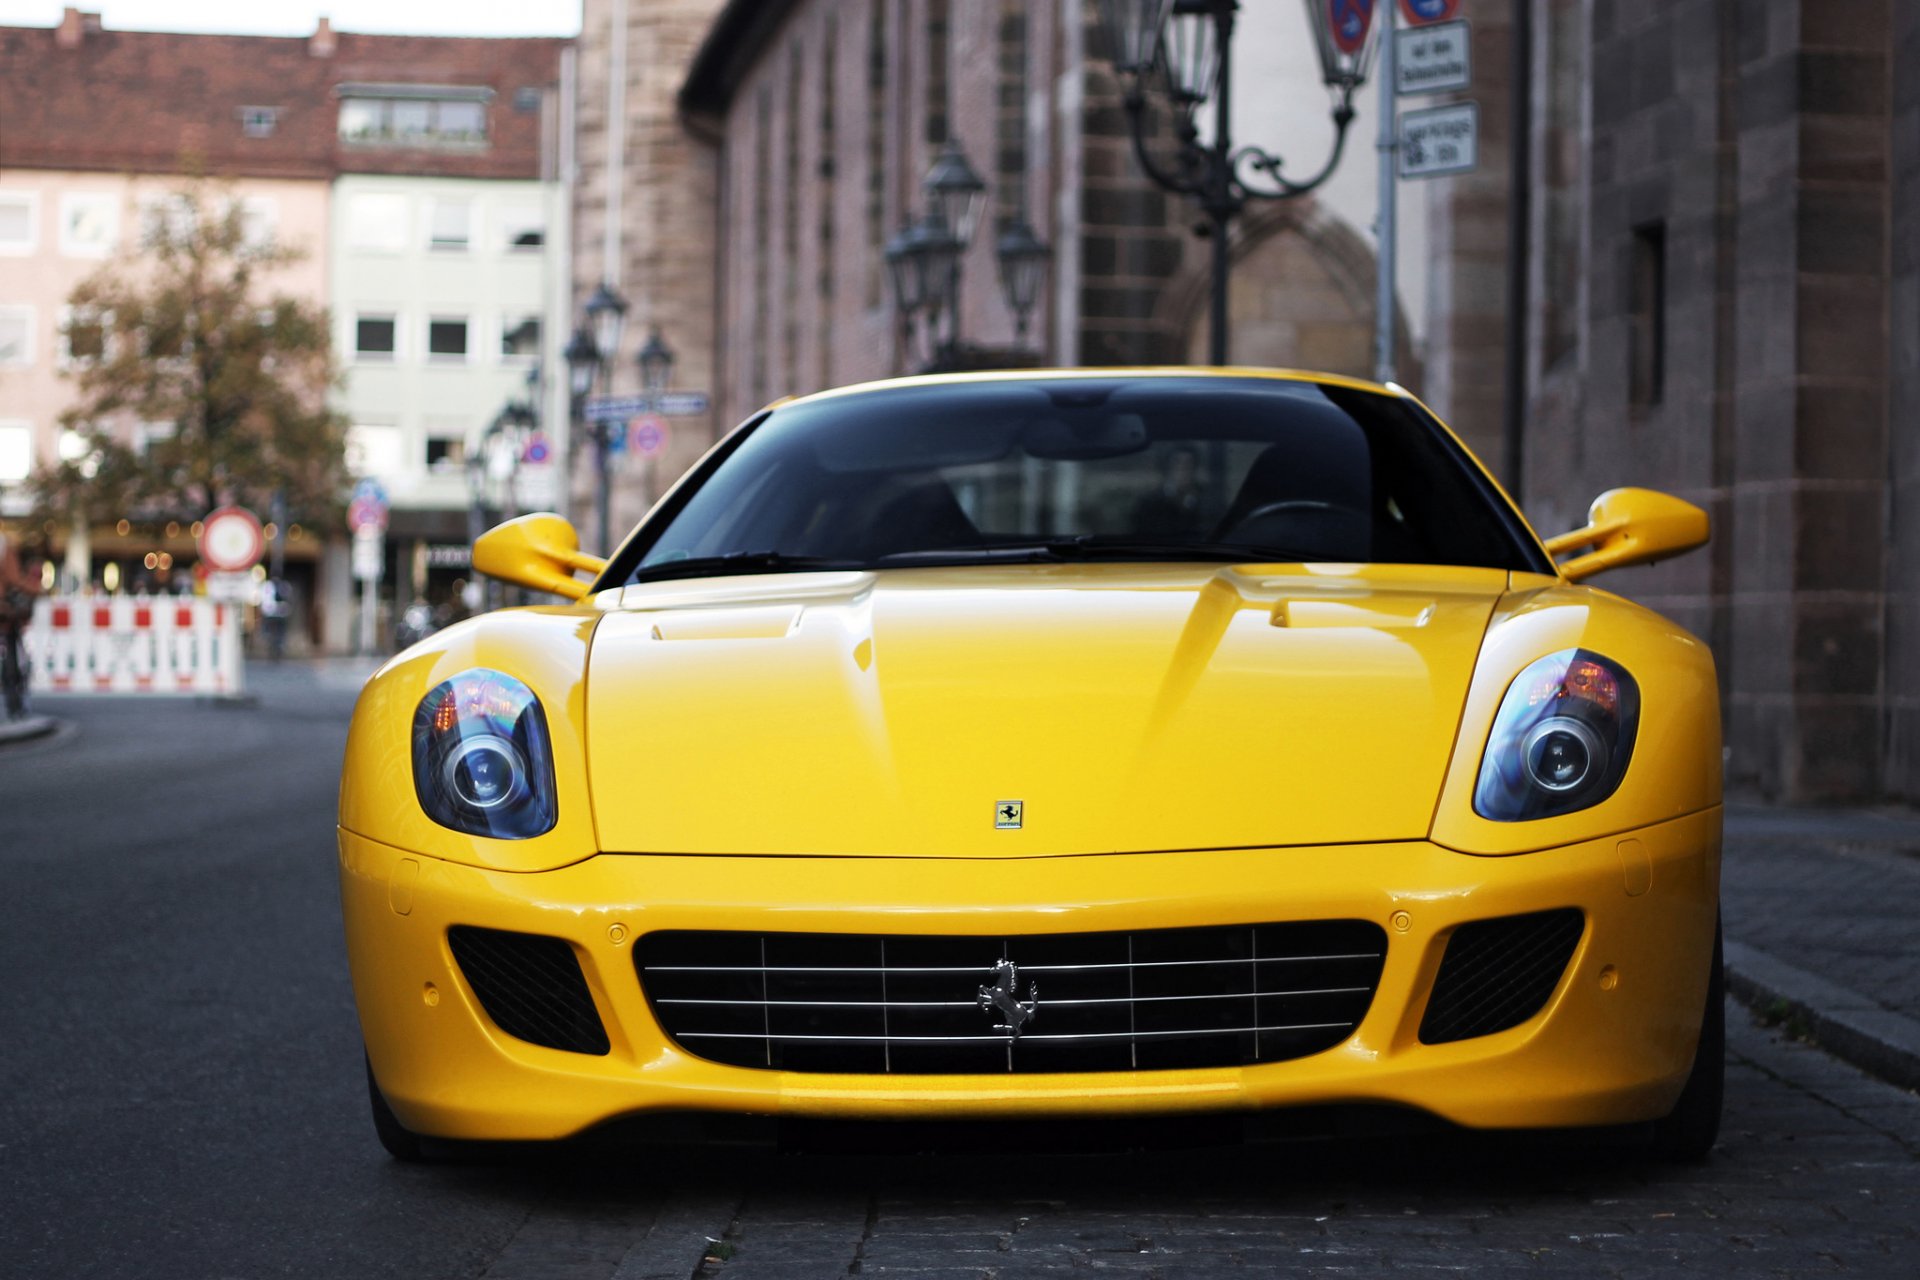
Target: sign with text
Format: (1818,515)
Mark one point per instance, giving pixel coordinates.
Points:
(681,404)
(1440,141)
(1434,59)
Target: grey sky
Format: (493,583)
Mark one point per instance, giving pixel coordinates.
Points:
(298,17)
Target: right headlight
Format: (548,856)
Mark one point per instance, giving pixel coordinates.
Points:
(481,760)
(1561,740)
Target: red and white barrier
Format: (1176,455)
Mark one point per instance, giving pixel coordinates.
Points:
(134,644)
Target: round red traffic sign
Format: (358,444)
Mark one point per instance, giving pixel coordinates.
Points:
(231,540)
(647,434)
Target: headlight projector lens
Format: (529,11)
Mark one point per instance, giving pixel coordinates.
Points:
(485,772)
(1563,755)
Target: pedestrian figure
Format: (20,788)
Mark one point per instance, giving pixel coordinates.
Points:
(276,606)
(17,590)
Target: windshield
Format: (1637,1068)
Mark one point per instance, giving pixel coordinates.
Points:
(1121,468)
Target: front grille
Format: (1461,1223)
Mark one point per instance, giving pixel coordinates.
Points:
(1498,973)
(909,1004)
(531,986)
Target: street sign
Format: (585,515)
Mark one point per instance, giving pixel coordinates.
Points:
(538,450)
(648,434)
(1440,141)
(368,506)
(1433,59)
(231,540)
(1421,12)
(369,554)
(231,588)
(681,404)
(1348,21)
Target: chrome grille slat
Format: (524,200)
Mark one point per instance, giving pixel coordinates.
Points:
(909,1004)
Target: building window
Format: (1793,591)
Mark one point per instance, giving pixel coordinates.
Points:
(520,336)
(1647,317)
(16,451)
(19,222)
(167,219)
(446,453)
(377,222)
(824,279)
(877,63)
(259,217)
(790,212)
(451,226)
(413,116)
(375,450)
(83,336)
(148,434)
(16,337)
(374,338)
(259,122)
(526,99)
(523,229)
(447,340)
(89,224)
(1010,116)
(937,104)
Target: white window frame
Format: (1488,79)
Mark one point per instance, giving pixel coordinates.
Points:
(433,207)
(259,220)
(376,313)
(398,243)
(28,354)
(33,454)
(30,245)
(426,339)
(72,248)
(64,357)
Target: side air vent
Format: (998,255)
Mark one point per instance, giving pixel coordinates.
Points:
(1498,973)
(531,986)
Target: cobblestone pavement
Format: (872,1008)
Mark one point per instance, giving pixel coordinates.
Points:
(1835,894)
(1818,1173)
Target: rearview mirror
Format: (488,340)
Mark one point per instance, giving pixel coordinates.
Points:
(1631,526)
(540,551)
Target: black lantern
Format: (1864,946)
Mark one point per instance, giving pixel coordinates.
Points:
(583,362)
(1023,267)
(954,193)
(1133,32)
(1347,47)
(1190,51)
(606,312)
(656,363)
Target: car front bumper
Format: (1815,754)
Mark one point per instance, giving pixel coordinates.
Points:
(1612,1045)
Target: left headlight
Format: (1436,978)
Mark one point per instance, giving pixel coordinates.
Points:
(482,762)
(1561,740)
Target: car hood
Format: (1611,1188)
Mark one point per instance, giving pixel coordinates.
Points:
(1127,708)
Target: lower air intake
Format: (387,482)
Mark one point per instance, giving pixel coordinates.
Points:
(1498,973)
(910,1004)
(531,986)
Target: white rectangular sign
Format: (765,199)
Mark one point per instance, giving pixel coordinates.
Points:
(369,554)
(1435,59)
(1440,141)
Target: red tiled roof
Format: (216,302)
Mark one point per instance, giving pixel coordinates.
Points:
(140,101)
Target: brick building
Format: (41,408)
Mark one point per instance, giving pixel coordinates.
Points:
(1726,303)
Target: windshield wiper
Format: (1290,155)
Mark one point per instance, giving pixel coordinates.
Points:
(737,562)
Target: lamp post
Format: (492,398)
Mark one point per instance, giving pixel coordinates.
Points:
(924,259)
(606,316)
(1181,52)
(583,368)
(655,359)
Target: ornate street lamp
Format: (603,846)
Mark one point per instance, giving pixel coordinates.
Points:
(954,192)
(1182,51)
(583,363)
(655,359)
(583,370)
(607,313)
(922,262)
(1023,268)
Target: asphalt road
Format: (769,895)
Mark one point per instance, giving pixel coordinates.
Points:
(180,1095)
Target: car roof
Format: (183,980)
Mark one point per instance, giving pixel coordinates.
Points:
(1141,371)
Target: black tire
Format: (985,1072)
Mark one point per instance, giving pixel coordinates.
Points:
(1688,1134)
(401,1142)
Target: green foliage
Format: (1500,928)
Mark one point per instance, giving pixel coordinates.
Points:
(183,331)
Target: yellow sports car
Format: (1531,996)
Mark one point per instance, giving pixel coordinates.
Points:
(1085,743)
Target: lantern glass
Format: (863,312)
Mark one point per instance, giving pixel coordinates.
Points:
(1347,46)
(1023,268)
(955,192)
(656,363)
(1132,30)
(937,252)
(607,313)
(1190,54)
(583,361)
(903,272)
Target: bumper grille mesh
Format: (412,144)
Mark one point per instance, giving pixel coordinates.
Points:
(1498,973)
(910,1004)
(531,986)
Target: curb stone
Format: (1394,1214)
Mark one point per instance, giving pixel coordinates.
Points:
(1844,1022)
(28,728)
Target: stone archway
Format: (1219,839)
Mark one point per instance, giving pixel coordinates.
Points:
(1302,295)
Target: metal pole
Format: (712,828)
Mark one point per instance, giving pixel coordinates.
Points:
(1387,227)
(603,487)
(1519,254)
(277,512)
(1220,205)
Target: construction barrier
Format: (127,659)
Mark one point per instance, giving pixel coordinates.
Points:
(134,644)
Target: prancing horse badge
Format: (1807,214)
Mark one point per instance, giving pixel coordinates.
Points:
(1007,814)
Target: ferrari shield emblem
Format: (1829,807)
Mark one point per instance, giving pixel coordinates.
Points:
(1007,814)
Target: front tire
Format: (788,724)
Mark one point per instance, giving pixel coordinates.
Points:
(1688,1134)
(401,1142)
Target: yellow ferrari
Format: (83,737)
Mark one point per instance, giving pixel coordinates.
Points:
(1088,742)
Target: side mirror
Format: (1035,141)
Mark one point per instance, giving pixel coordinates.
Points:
(539,551)
(1631,526)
